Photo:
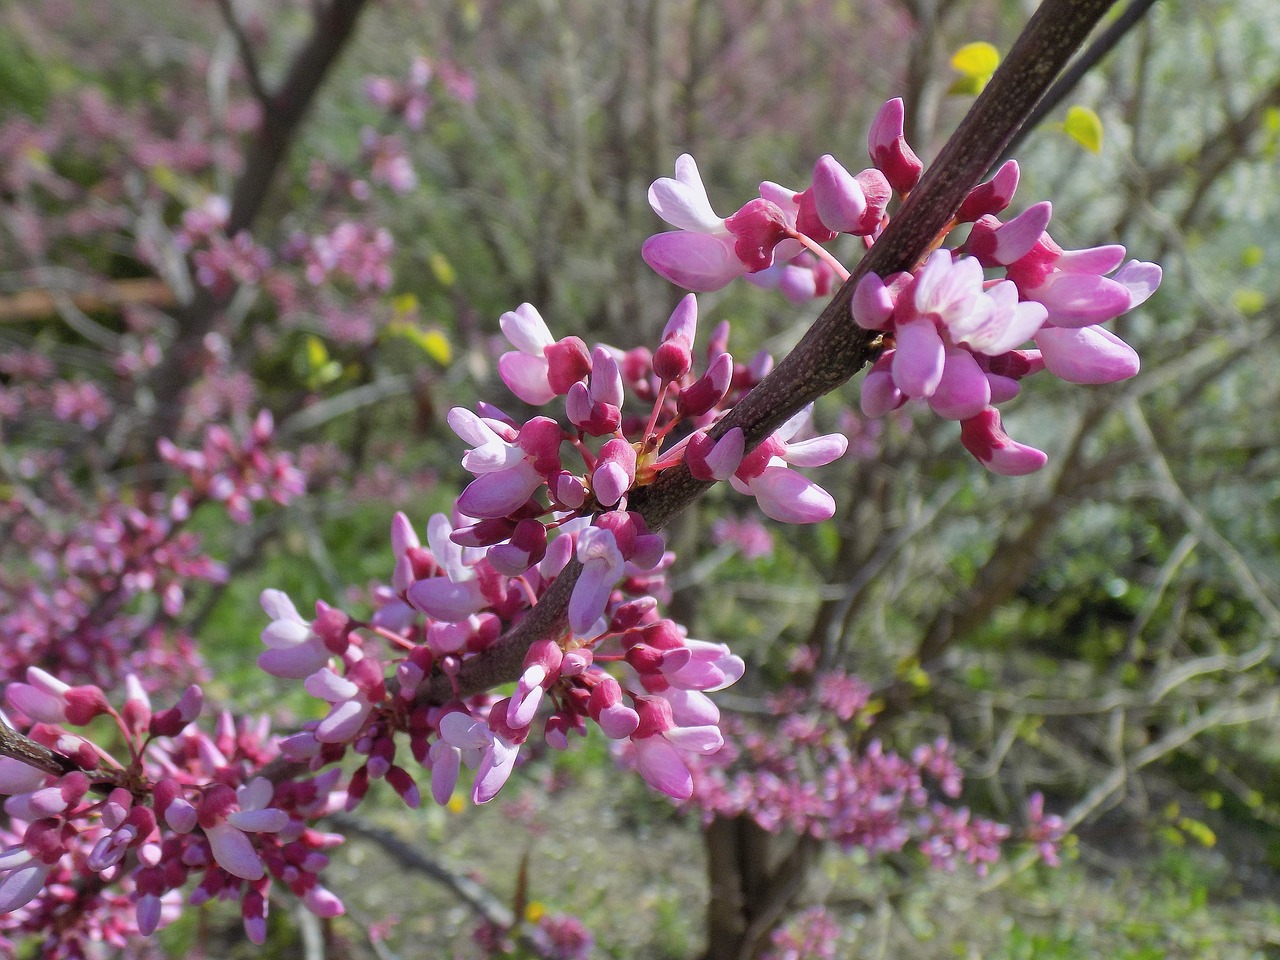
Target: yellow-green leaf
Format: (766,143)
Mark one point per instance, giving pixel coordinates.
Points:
(967,86)
(432,342)
(441,269)
(404,304)
(1249,301)
(978,59)
(1085,128)
(317,353)
(1251,255)
(1200,832)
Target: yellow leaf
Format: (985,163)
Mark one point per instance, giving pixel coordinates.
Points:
(437,347)
(1085,128)
(978,59)
(317,353)
(1251,255)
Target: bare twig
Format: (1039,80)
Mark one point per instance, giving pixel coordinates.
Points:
(248,59)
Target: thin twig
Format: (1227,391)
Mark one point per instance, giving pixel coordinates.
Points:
(248,59)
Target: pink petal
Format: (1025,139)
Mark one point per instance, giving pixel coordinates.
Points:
(499,494)
(618,721)
(1082,299)
(526,377)
(294,663)
(837,196)
(691,708)
(343,721)
(494,770)
(1140,278)
(701,740)
(790,497)
(526,330)
(663,768)
(1099,260)
(21,886)
(446,761)
(234,852)
(259,821)
(872,304)
(699,262)
(818,451)
(278,606)
(591,594)
(682,201)
(984,437)
(1087,355)
(880,394)
(1015,239)
(963,391)
(918,358)
(442,599)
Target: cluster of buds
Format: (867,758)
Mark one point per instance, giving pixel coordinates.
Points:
(186,806)
(955,329)
(448,604)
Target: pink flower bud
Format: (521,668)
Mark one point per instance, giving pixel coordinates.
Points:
(837,196)
(889,150)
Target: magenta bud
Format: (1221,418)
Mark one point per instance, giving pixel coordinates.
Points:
(85,703)
(568,362)
(758,227)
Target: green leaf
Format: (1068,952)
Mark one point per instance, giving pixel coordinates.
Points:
(1085,128)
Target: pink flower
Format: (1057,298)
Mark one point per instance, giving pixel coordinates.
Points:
(294,650)
(659,743)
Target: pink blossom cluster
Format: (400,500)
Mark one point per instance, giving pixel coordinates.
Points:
(35,391)
(100,593)
(356,253)
(234,473)
(221,263)
(186,806)
(813,934)
(804,772)
(410,98)
(955,328)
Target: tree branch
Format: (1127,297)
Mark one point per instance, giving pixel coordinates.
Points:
(834,348)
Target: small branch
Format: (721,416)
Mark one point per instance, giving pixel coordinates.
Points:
(1103,44)
(26,750)
(248,59)
(481,902)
